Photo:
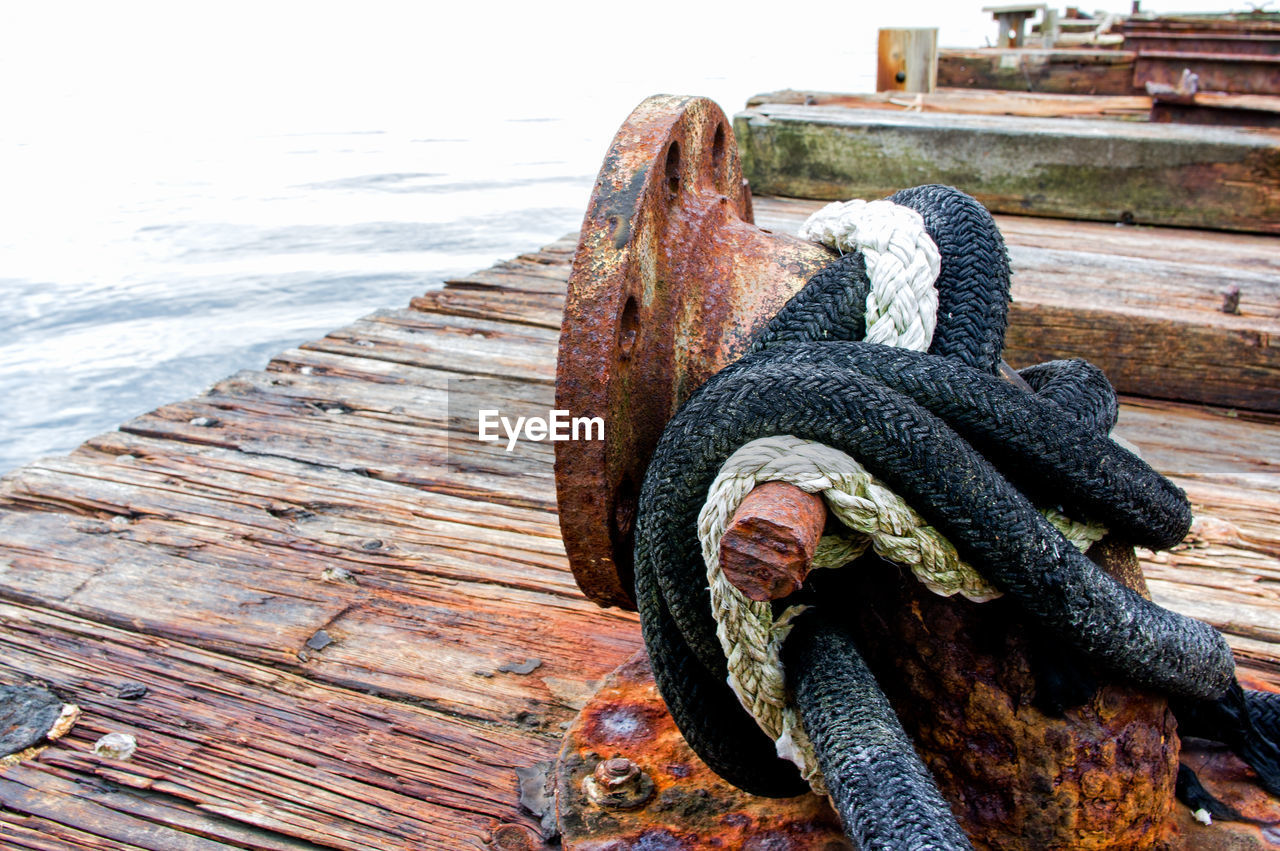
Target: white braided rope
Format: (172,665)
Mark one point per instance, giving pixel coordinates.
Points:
(902,265)
(749,635)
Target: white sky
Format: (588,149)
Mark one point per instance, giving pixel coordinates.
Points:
(142,69)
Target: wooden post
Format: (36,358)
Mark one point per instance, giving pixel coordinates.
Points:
(1049,29)
(908,60)
(1012,21)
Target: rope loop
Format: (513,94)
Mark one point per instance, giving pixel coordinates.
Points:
(902,263)
(750,636)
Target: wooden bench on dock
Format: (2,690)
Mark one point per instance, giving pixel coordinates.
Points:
(350,638)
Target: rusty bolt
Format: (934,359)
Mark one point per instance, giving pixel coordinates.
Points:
(618,784)
(613,773)
(1231,300)
(768,546)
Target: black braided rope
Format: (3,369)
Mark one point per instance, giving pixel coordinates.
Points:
(1264,707)
(1191,792)
(844,714)
(831,306)
(973,283)
(972,455)
(935,470)
(1041,446)
(1077,387)
(1245,721)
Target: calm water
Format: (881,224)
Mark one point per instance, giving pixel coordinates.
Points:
(217,268)
(188,189)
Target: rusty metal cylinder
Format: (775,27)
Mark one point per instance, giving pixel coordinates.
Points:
(962,678)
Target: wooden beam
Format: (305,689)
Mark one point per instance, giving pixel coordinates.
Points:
(1117,171)
(981,102)
(1080,71)
(1145,304)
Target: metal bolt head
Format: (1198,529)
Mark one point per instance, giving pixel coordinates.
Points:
(615,772)
(618,783)
(514,837)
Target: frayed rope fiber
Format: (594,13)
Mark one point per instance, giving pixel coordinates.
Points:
(974,457)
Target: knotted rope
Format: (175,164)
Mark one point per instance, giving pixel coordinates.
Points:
(902,264)
(749,633)
(974,455)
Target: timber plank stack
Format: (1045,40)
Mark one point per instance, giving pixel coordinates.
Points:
(1237,53)
(351,638)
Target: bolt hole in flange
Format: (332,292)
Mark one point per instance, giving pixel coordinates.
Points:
(717,157)
(628,327)
(672,168)
(625,500)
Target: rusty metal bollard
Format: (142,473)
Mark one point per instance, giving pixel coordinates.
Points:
(670,283)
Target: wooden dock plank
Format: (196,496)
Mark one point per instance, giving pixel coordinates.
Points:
(299,758)
(459,344)
(72,814)
(199,550)
(541,309)
(1143,303)
(393,433)
(271,597)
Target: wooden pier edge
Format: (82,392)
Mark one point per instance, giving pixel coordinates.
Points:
(353,626)
(1118,171)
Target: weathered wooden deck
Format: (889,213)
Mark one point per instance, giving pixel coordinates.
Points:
(348,643)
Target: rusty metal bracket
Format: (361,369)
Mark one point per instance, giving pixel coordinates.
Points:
(670,283)
(625,731)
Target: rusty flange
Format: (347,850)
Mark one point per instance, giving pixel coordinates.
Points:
(670,283)
(680,803)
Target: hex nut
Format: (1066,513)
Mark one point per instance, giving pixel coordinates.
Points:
(618,784)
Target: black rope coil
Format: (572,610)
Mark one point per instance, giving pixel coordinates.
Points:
(975,456)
